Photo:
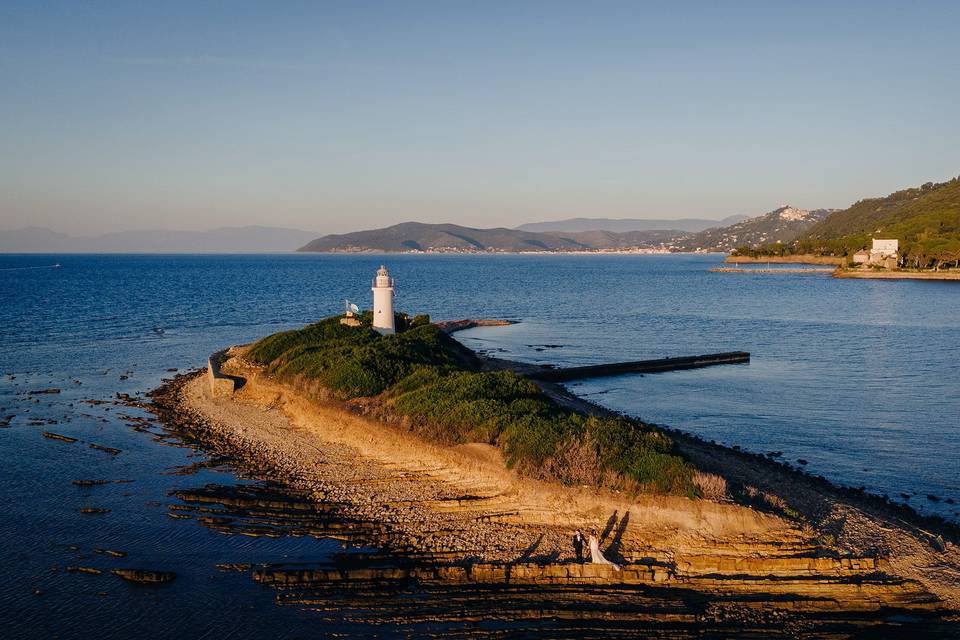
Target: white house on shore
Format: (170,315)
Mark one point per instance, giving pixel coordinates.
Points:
(883,253)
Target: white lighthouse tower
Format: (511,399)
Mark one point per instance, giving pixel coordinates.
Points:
(383,302)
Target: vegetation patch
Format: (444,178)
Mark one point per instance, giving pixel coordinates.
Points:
(432,384)
(925,219)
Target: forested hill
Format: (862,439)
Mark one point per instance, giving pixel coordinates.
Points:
(925,219)
(417,236)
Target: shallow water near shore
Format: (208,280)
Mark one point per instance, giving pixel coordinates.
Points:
(854,377)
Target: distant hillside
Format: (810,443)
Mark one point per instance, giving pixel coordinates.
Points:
(782,225)
(925,219)
(417,236)
(251,239)
(629,224)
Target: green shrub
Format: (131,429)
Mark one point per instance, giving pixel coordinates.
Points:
(354,361)
(272,347)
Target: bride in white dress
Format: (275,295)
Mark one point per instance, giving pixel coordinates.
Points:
(596,556)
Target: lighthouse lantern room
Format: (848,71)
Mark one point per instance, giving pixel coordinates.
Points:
(383,302)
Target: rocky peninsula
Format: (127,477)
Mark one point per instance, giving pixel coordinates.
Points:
(754,543)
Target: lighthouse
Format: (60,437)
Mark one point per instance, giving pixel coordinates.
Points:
(383,302)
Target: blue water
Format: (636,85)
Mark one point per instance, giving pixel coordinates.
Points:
(857,377)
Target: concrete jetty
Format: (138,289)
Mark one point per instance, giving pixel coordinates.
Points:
(641,366)
(772,270)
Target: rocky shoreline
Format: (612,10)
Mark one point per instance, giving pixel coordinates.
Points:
(450,519)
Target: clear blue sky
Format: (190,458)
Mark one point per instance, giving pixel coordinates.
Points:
(338,116)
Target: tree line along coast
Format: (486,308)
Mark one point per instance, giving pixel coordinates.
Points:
(924,222)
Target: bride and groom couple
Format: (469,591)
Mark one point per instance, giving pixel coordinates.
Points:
(596,556)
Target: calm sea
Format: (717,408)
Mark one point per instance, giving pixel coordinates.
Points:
(859,378)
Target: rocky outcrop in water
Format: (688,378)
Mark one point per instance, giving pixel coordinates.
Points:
(145,576)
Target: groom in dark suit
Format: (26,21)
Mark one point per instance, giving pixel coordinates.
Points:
(578,545)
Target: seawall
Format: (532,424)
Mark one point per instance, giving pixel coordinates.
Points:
(641,366)
(805,258)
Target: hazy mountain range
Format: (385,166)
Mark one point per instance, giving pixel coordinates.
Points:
(783,225)
(577,234)
(253,239)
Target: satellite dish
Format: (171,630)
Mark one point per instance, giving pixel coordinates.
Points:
(354,308)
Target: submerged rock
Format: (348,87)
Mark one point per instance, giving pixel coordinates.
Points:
(100,447)
(145,576)
(57,436)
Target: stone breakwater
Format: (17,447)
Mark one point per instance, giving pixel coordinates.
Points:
(795,259)
(771,270)
(452,326)
(442,521)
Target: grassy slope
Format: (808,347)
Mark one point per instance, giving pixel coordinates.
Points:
(926,221)
(427,378)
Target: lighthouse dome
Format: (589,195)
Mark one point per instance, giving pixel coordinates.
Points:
(383,278)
